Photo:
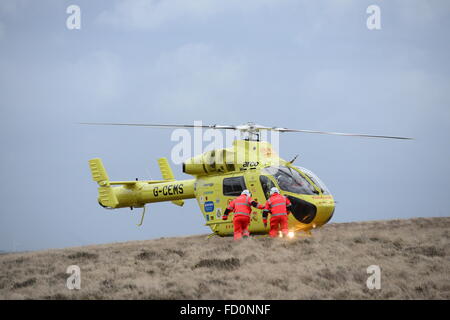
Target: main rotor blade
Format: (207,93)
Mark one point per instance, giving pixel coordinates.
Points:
(259,127)
(160,125)
(245,127)
(342,134)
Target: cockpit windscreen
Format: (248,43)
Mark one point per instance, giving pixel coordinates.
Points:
(290,180)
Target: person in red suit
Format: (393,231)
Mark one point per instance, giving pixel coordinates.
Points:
(241,206)
(279,206)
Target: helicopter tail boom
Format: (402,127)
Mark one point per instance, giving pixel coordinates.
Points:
(138,193)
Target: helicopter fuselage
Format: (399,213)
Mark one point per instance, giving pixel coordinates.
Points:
(220,176)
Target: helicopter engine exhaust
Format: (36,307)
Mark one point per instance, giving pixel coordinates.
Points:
(210,162)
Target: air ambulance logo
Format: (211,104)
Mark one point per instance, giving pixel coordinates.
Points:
(267,152)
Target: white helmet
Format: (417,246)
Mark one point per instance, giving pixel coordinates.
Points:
(274,190)
(246,192)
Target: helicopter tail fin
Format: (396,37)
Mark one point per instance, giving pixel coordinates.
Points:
(106,196)
(166,170)
(167,174)
(98,170)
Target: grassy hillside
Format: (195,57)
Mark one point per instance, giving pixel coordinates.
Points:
(413,256)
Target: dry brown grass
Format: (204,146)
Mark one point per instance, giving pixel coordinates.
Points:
(413,256)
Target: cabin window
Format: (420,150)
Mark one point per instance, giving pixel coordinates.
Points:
(233,186)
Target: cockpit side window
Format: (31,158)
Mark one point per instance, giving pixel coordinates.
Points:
(290,180)
(266,185)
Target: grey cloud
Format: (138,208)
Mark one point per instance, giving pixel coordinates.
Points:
(101,74)
(197,76)
(143,14)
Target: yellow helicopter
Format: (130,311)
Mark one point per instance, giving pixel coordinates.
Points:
(221,175)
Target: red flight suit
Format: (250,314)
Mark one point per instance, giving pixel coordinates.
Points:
(241,206)
(278,205)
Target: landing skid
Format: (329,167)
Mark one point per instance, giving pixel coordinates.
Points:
(304,234)
(209,236)
(142,218)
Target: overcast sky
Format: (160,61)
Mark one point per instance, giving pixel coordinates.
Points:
(291,63)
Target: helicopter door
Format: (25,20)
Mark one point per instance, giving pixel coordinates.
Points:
(253,186)
(232,187)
